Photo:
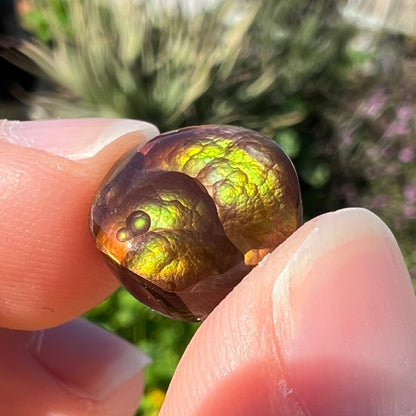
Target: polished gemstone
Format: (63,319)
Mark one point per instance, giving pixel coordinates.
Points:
(183,218)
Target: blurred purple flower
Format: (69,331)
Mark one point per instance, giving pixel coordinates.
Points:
(374,106)
(347,138)
(410,193)
(401,125)
(379,202)
(409,211)
(404,113)
(407,154)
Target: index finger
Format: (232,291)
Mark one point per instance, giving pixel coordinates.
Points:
(50,271)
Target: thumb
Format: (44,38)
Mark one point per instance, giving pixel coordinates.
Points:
(324,326)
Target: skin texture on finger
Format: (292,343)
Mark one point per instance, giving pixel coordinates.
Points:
(73,370)
(238,374)
(50,270)
(324,326)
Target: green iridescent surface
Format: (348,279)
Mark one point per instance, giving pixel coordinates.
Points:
(250,179)
(195,205)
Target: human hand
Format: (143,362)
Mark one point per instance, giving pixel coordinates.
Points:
(324,326)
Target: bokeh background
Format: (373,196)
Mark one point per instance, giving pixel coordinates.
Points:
(332,81)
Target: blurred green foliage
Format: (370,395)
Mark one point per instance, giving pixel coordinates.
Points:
(237,62)
(339,100)
(42,26)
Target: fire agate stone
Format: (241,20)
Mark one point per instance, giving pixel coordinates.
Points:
(183,218)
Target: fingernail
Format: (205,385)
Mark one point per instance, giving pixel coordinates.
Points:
(72,139)
(342,309)
(351,235)
(92,362)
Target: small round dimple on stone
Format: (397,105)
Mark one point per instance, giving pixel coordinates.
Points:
(124,234)
(187,215)
(138,222)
